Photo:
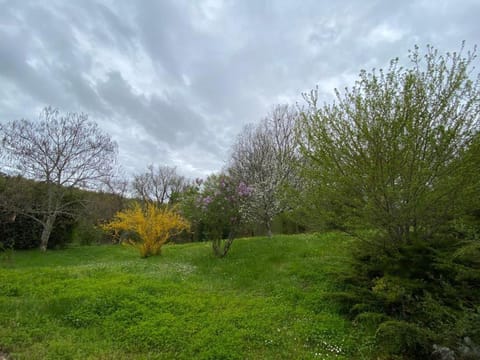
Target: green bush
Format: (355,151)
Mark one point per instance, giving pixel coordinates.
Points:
(85,233)
(404,339)
(371,319)
(23,233)
(418,294)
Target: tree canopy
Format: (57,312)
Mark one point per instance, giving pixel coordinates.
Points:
(389,152)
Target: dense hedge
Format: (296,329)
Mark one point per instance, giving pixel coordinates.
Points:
(24,232)
(19,197)
(423,298)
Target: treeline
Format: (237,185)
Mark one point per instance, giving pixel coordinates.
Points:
(50,162)
(84,212)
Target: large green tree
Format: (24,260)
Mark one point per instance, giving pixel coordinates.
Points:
(389,153)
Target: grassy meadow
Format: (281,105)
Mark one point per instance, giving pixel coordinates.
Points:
(268,299)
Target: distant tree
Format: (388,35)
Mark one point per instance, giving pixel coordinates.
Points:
(61,150)
(264,157)
(148,227)
(389,153)
(189,202)
(117,184)
(161,184)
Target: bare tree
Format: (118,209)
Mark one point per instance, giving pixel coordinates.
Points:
(264,157)
(116,184)
(158,184)
(62,151)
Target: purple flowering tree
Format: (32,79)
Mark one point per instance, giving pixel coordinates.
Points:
(221,201)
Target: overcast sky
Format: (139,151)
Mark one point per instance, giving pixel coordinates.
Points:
(173,82)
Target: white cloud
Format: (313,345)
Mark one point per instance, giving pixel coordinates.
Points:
(384,33)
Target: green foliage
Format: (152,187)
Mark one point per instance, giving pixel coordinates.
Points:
(404,339)
(85,233)
(393,152)
(371,319)
(23,233)
(428,289)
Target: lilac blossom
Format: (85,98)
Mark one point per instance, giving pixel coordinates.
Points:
(243,189)
(207,200)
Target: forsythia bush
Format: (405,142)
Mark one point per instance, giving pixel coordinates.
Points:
(153,226)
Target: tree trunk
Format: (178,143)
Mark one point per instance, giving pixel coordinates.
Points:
(47,230)
(221,247)
(269,228)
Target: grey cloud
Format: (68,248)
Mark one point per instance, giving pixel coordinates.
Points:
(15,68)
(167,35)
(184,77)
(167,119)
(42,61)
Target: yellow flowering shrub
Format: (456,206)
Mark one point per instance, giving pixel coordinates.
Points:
(153,225)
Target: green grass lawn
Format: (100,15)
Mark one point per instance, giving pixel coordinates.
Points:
(265,300)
